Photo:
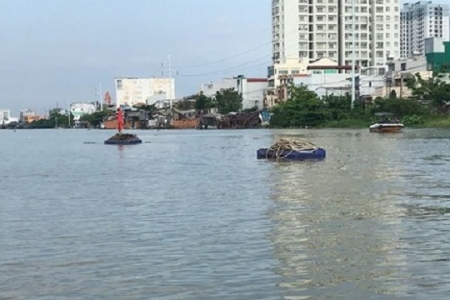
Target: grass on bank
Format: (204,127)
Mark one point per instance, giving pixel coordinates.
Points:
(409,121)
(435,122)
(346,123)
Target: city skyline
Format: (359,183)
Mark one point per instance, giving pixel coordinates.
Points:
(59,52)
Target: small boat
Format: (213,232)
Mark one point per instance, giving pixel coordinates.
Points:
(386,125)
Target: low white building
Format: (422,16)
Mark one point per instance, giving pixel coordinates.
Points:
(156,98)
(26,113)
(5,117)
(210,89)
(251,89)
(290,66)
(341,84)
(78,109)
(134,90)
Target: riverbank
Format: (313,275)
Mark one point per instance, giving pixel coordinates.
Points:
(437,122)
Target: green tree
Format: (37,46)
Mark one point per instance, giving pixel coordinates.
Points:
(400,107)
(203,102)
(339,107)
(393,94)
(150,108)
(96,118)
(185,105)
(434,89)
(55,119)
(228,100)
(302,108)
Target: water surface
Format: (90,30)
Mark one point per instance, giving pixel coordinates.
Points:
(193,215)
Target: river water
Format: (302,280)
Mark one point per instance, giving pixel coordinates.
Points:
(193,215)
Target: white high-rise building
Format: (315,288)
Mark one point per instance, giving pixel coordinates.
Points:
(134,90)
(419,21)
(313,29)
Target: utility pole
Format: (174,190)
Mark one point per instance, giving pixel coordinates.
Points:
(69,114)
(169,71)
(170,81)
(353,55)
(401,85)
(100,96)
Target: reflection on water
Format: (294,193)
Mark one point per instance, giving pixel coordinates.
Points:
(343,226)
(194,215)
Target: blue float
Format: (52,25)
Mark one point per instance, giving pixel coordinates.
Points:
(312,154)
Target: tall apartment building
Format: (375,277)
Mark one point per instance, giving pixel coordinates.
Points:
(314,29)
(419,21)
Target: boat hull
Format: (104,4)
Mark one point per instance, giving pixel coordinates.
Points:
(315,154)
(381,128)
(123,142)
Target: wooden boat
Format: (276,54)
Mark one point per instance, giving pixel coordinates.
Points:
(386,127)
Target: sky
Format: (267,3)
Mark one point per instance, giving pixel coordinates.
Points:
(59,51)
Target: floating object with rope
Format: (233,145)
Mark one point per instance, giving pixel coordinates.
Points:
(292,149)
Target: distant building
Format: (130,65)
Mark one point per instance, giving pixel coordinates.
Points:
(134,90)
(252,89)
(107,99)
(290,66)
(211,88)
(437,54)
(25,114)
(78,109)
(156,98)
(288,71)
(318,29)
(59,110)
(340,84)
(5,116)
(419,21)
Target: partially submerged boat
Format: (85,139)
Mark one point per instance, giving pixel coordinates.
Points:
(386,124)
(292,149)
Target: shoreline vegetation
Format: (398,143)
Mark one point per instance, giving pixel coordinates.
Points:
(428,107)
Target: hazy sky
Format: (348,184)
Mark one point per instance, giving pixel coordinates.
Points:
(61,50)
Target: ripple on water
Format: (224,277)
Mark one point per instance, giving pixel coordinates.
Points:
(193,215)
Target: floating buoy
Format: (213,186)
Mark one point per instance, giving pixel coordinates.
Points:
(292,149)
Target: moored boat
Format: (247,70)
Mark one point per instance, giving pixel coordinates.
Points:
(386,127)
(386,124)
